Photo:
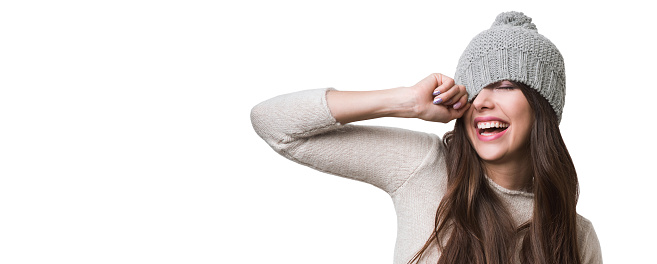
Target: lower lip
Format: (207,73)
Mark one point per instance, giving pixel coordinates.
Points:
(491,137)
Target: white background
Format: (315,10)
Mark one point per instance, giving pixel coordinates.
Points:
(125,134)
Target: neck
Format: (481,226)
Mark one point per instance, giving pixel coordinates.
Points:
(512,175)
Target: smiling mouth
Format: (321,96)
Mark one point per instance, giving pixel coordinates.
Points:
(491,128)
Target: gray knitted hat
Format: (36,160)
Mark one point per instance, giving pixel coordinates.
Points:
(513,50)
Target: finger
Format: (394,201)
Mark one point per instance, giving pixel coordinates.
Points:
(458,113)
(457,97)
(461,102)
(449,96)
(443,83)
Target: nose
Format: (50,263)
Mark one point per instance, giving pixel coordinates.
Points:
(483,100)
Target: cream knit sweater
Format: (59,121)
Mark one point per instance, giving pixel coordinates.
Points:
(408,165)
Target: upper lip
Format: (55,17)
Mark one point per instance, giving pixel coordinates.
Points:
(487,119)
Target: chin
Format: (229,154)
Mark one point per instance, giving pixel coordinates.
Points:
(490,155)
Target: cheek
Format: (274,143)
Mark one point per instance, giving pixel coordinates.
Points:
(516,107)
(524,120)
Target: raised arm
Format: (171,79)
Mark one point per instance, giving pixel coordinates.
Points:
(308,127)
(435,98)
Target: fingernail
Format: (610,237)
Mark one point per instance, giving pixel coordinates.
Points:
(457,105)
(436,93)
(438,101)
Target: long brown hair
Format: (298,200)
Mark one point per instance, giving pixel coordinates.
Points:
(473,225)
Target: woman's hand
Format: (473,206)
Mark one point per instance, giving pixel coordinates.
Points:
(438,99)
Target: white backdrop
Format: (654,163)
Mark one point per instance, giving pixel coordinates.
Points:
(125,134)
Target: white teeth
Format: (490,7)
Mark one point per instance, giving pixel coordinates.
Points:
(489,124)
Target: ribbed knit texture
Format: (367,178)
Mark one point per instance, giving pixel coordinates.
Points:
(512,49)
(408,165)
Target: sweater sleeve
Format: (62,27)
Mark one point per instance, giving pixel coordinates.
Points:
(300,127)
(590,251)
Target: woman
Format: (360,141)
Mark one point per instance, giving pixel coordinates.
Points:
(500,187)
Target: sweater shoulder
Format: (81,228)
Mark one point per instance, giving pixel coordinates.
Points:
(429,171)
(588,243)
